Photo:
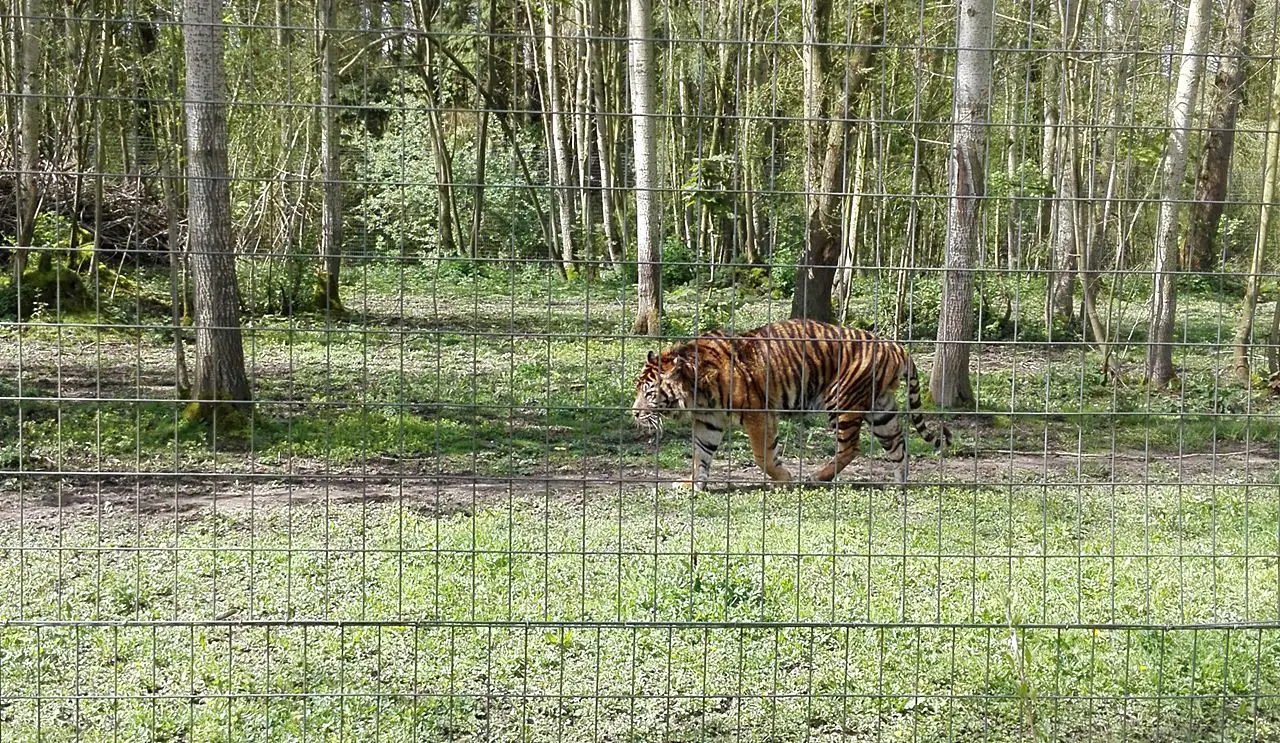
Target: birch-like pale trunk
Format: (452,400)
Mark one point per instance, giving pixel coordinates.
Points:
(1160,370)
(949,381)
(648,239)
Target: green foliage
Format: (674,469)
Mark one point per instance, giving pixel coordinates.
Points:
(782,271)
(679,264)
(401,215)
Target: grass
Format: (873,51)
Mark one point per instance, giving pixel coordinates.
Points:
(1050,604)
(500,373)
(966,570)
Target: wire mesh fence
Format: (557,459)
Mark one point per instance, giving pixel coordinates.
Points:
(322,328)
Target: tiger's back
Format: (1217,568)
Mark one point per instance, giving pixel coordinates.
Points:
(790,367)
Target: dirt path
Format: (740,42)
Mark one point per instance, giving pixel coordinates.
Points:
(38,499)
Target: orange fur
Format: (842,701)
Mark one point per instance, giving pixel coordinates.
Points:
(793,366)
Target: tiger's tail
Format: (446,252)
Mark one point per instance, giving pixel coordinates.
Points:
(942,438)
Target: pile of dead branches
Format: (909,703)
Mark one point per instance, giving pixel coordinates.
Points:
(128,222)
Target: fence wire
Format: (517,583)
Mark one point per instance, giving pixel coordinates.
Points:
(426,512)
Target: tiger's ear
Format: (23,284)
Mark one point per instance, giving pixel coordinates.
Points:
(652,357)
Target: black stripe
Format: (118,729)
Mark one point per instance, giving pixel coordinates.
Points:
(846,423)
(708,448)
(883,419)
(774,445)
(710,426)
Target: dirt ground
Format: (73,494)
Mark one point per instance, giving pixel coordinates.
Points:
(40,499)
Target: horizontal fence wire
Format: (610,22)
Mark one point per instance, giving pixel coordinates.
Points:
(390,371)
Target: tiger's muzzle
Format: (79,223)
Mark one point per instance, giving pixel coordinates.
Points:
(646,415)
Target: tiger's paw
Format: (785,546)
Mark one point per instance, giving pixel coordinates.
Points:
(691,486)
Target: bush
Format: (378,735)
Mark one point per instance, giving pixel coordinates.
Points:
(401,216)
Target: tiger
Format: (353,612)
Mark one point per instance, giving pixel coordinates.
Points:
(793,366)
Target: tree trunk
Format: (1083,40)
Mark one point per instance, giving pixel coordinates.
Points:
(171,210)
(583,139)
(446,209)
(1271,174)
(648,239)
(328,277)
(604,152)
(949,381)
(825,155)
(482,131)
(1173,168)
(1215,160)
(1049,154)
(562,178)
(220,373)
(1066,169)
(814,275)
(31,27)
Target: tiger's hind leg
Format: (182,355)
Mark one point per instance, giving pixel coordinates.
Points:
(762,429)
(887,427)
(848,427)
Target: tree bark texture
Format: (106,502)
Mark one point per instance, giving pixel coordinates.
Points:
(1270,177)
(1173,168)
(826,140)
(482,131)
(329,276)
(1215,160)
(562,173)
(949,381)
(648,239)
(31,116)
(1066,171)
(604,152)
(219,367)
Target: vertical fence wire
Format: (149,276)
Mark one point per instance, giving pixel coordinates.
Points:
(437,519)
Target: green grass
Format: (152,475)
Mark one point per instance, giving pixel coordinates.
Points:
(467,622)
(958,566)
(498,373)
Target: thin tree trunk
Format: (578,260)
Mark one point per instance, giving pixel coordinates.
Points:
(825,156)
(446,210)
(1270,177)
(482,131)
(1119,68)
(907,254)
(1049,152)
(220,371)
(1066,170)
(648,239)
(604,151)
(581,112)
(949,381)
(562,178)
(1164,289)
(31,26)
(181,381)
(849,258)
(1215,160)
(328,279)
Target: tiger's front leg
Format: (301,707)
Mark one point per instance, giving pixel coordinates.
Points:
(707,435)
(762,429)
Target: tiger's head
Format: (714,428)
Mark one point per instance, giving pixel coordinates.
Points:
(665,386)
